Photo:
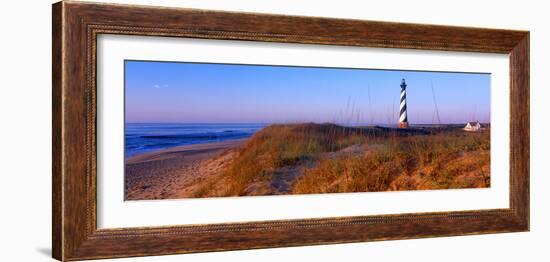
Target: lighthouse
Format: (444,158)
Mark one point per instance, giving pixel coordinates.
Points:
(403,123)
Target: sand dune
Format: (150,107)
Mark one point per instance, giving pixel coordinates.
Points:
(313,159)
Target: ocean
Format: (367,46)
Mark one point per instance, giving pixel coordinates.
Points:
(141,137)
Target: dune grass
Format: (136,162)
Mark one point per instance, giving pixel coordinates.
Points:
(282,145)
(440,161)
(385,160)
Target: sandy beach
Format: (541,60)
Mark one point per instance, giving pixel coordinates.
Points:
(175,172)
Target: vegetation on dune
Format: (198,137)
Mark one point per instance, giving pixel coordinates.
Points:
(382,160)
(281,145)
(439,161)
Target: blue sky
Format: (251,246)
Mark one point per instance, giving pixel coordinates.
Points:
(175,92)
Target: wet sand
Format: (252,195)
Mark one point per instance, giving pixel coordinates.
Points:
(175,172)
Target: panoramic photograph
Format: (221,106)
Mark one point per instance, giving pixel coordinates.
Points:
(198,130)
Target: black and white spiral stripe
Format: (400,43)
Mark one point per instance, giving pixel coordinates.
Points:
(403,104)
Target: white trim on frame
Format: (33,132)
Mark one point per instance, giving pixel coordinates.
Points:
(114,212)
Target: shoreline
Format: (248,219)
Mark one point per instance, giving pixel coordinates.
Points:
(175,172)
(163,153)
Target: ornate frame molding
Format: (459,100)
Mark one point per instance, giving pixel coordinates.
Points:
(76,26)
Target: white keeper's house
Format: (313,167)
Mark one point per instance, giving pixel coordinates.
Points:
(473,126)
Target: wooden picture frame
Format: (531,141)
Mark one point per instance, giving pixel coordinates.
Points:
(76,26)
